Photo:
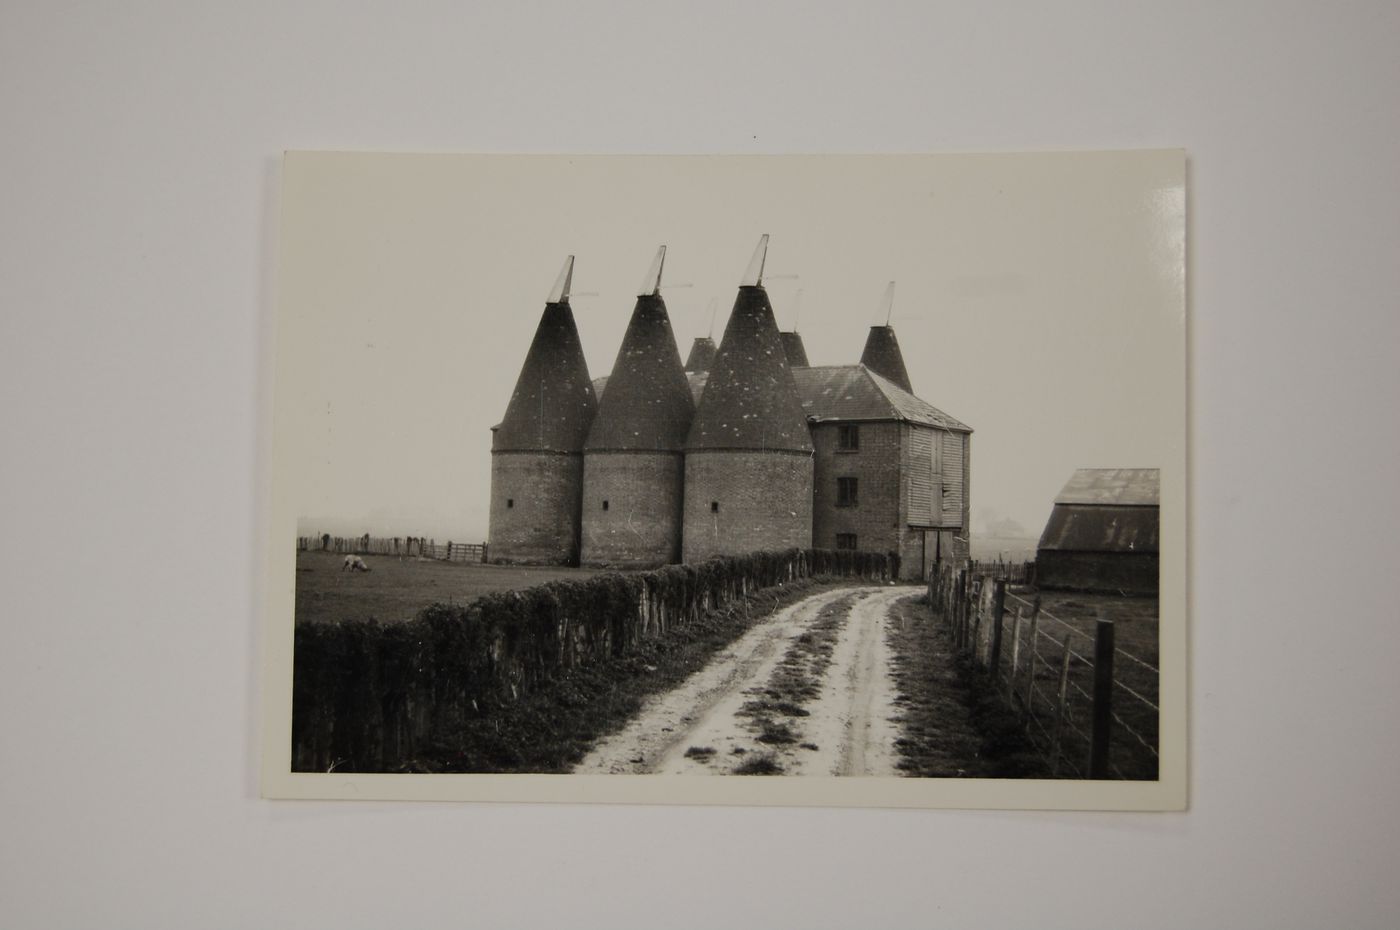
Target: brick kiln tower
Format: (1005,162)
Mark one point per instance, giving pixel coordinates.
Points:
(794,350)
(793,347)
(537,449)
(633,460)
(702,354)
(882,354)
(748,463)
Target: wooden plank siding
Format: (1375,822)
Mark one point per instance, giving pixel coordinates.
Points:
(953,473)
(921,476)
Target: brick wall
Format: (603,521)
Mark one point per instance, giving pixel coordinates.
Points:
(642,526)
(876,519)
(541,526)
(764,498)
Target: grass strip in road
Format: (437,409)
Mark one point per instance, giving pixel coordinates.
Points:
(952,723)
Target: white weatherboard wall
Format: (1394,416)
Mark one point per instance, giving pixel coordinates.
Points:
(139,186)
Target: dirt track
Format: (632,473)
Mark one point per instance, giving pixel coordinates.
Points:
(807,692)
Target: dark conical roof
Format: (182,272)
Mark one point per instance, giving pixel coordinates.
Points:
(750,400)
(795,351)
(702,354)
(883,357)
(647,404)
(553,404)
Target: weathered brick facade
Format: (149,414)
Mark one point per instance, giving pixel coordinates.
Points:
(535,507)
(746,501)
(632,509)
(875,518)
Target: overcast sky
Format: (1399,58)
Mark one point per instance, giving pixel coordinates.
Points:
(1039,299)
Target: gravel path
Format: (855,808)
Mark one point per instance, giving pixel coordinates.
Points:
(729,716)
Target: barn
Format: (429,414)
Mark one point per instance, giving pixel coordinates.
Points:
(1102,533)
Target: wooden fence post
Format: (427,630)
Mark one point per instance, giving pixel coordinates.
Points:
(1103,698)
(998,614)
(1060,707)
(1034,646)
(1015,656)
(976,619)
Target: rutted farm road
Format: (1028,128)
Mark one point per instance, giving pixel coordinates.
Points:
(807,692)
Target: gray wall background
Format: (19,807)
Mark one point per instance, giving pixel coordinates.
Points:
(139,190)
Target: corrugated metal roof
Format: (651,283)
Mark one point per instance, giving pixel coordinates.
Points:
(1101,528)
(553,403)
(750,401)
(649,405)
(854,392)
(1121,486)
(882,356)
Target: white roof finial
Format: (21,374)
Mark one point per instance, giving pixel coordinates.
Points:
(651,284)
(753,277)
(559,294)
(887,303)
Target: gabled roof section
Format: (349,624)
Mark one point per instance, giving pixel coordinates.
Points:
(854,392)
(553,403)
(1073,528)
(1122,487)
(750,400)
(702,354)
(795,351)
(648,405)
(883,357)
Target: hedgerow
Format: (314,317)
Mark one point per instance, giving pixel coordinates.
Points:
(366,695)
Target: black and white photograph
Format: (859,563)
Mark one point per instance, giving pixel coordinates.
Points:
(849,469)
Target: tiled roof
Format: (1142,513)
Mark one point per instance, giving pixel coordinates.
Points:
(702,354)
(854,392)
(650,404)
(553,403)
(750,401)
(795,351)
(882,355)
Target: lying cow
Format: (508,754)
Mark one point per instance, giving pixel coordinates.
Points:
(353,563)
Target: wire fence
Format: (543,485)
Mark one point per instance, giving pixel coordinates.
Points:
(1088,705)
(400,546)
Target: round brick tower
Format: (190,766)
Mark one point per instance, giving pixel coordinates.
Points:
(633,459)
(537,449)
(882,354)
(748,462)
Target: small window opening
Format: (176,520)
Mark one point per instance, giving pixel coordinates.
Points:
(605,505)
(845,540)
(714,506)
(847,492)
(848,438)
(510,502)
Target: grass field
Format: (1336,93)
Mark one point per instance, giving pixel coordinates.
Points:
(395,590)
(1135,633)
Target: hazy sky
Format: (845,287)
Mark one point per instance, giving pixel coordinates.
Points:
(1039,299)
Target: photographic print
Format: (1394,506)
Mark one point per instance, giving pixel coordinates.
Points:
(730,479)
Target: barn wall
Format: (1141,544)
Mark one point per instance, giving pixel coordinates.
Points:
(642,526)
(542,527)
(875,465)
(1103,572)
(765,502)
